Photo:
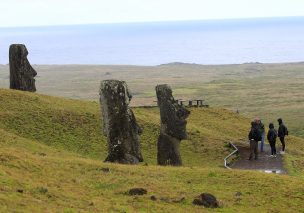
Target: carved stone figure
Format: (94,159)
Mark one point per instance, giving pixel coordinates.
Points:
(119,123)
(21,72)
(173,127)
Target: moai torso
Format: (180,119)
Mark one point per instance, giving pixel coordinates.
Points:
(173,127)
(119,123)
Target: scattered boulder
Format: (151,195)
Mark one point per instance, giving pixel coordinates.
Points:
(21,72)
(119,123)
(206,200)
(20,190)
(153,198)
(173,127)
(137,191)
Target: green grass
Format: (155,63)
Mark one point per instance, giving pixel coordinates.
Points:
(52,149)
(76,126)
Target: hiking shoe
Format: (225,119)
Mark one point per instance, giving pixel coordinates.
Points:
(282,152)
(274,156)
(271,156)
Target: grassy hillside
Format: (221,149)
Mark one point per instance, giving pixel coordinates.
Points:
(76,126)
(268,91)
(51,152)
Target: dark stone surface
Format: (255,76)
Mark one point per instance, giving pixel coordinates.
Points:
(119,123)
(20,190)
(206,200)
(21,72)
(173,127)
(137,191)
(153,198)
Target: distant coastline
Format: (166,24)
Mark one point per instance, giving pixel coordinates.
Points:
(210,42)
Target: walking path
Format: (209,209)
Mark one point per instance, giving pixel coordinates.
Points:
(264,163)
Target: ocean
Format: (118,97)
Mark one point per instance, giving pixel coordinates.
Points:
(264,40)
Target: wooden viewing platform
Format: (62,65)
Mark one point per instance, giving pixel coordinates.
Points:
(191,103)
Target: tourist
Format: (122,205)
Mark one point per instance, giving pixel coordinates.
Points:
(272,137)
(282,132)
(254,136)
(262,132)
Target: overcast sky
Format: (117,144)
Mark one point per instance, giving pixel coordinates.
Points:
(62,12)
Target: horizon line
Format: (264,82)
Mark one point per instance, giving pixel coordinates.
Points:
(150,22)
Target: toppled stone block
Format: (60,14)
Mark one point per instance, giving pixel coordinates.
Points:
(173,127)
(206,200)
(119,123)
(21,72)
(137,191)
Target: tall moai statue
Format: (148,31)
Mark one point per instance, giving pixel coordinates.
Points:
(119,123)
(21,72)
(172,127)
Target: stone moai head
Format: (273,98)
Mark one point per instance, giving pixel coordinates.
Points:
(173,116)
(119,123)
(21,72)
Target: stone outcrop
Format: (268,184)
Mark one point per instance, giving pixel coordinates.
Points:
(119,123)
(173,127)
(137,191)
(207,200)
(21,72)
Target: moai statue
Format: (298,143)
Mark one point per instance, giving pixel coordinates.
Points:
(21,72)
(172,128)
(119,123)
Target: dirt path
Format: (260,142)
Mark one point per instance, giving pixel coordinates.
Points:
(264,163)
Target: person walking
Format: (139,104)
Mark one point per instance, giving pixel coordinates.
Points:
(254,136)
(272,137)
(261,128)
(282,132)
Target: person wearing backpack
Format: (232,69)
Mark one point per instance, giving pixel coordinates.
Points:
(272,137)
(282,132)
(254,137)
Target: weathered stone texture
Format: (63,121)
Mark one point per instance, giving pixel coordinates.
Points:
(21,72)
(173,127)
(119,123)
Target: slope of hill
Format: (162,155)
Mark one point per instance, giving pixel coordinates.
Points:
(268,91)
(76,126)
(51,152)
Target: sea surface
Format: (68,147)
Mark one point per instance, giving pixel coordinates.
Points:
(265,40)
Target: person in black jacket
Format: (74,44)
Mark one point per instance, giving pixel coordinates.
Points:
(272,137)
(262,132)
(282,132)
(254,137)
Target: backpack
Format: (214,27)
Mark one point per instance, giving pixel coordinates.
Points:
(285,130)
(255,134)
